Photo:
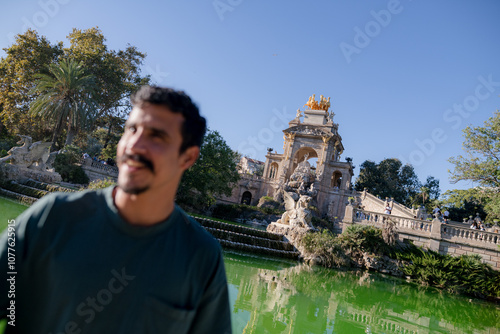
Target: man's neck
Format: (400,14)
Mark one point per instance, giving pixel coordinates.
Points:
(143,209)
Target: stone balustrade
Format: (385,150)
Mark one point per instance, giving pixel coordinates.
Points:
(470,236)
(97,170)
(434,235)
(418,226)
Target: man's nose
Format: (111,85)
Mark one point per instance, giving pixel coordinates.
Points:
(137,142)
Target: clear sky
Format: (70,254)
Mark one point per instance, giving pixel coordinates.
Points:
(405,77)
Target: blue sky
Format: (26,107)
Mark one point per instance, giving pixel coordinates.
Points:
(405,77)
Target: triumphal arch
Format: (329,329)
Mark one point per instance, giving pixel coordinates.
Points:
(312,136)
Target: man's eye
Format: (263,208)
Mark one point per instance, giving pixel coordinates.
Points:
(131,129)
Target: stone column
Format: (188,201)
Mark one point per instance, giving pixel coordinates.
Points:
(348,216)
(435,239)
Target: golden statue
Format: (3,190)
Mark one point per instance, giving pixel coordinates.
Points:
(323,104)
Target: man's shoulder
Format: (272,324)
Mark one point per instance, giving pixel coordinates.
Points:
(77,196)
(57,201)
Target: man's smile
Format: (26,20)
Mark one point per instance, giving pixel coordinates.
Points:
(136,161)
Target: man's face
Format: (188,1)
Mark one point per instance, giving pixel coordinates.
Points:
(148,153)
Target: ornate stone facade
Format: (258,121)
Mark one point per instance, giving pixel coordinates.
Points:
(313,135)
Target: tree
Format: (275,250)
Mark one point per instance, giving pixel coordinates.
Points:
(480,164)
(213,175)
(66,95)
(464,203)
(117,74)
(29,55)
(389,178)
(428,194)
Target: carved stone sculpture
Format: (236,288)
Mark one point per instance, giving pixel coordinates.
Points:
(29,155)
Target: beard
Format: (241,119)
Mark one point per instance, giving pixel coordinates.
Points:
(131,190)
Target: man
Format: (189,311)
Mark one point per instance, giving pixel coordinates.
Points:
(124,259)
(436,212)
(446,216)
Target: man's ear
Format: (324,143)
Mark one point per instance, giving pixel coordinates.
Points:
(189,156)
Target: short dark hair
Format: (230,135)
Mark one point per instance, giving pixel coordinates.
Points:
(194,126)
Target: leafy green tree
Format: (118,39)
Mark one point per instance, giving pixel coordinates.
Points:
(117,73)
(464,203)
(481,164)
(213,175)
(66,95)
(29,55)
(389,178)
(428,194)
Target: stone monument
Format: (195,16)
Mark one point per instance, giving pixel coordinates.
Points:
(297,193)
(29,161)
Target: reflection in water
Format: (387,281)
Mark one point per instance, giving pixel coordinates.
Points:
(268,296)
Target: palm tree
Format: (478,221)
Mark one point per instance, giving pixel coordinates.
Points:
(424,192)
(65,96)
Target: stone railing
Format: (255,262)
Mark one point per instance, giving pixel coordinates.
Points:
(434,235)
(97,170)
(99,165)
(417,226)
(469,236)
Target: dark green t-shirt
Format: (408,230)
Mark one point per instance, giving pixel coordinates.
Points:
(80,268)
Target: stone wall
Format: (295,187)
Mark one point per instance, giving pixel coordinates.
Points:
(99,171)
(18,173)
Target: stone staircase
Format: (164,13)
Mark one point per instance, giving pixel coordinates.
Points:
(28,191)
(246,239)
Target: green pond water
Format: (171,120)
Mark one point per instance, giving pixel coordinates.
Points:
(268,296)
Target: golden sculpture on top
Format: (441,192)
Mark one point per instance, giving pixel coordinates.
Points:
(323,104)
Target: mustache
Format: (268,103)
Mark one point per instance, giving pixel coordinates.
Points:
(139,158)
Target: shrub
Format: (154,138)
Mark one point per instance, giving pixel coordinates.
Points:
(100,184)
(229,211)
(321,223)
(327,247)
(46,186)
(465,274)
(234,211)
(23,190)
(65,162)
(362,238)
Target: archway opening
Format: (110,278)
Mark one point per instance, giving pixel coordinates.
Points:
(246,198)
(336,180)
(308,154)
(273,173)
